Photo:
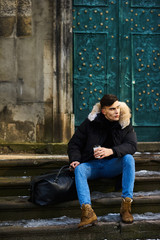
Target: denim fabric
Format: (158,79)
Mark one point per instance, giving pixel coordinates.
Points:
(103,168)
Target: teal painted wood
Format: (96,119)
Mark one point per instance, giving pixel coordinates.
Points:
(117,50)
(145,3)
(91,2)
(140,71)
(95,54)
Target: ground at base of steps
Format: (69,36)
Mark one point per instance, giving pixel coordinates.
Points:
(145,226)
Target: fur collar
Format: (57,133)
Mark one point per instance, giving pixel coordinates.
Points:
(125,114)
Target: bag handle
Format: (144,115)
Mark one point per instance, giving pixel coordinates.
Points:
(60,170)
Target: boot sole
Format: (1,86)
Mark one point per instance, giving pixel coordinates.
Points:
(94,223)
(126,222)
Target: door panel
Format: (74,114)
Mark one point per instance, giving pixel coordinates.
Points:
(117,50)
(95,54)
(146,85)
(140,69)
(90,72)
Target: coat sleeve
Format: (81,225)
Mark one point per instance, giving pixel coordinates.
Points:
(77,142)
(128,144)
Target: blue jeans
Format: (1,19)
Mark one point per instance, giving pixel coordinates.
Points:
(103,168)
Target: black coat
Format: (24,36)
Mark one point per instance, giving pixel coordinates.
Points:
(100,131)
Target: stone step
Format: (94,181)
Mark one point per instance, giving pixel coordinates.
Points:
(16,208)
(29,164)
(65,229)
(148,161)
(145,180)
(60,148)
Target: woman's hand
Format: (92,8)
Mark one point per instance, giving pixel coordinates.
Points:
(102,152)
(74,164)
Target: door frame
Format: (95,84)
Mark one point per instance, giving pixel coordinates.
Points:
(63,117)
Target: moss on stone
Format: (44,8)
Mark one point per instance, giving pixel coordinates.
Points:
(39,148)
(59,148)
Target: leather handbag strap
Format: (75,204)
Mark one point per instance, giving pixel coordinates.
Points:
(60,170)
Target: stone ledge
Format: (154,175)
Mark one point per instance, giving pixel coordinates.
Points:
(103,230)
(36,148)
(16,208)
(149,146)
(61,148)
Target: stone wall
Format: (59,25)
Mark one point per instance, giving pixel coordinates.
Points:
(35,71)
(15,18)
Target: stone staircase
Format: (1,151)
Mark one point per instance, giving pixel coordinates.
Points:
(20,219)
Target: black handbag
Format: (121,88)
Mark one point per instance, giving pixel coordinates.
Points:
(53,188)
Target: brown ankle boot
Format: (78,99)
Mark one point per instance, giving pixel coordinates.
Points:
(88,216)
(125,210)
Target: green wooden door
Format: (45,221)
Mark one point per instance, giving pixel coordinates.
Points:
(117,50)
